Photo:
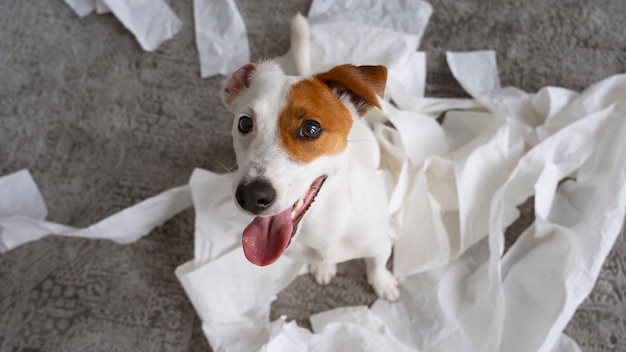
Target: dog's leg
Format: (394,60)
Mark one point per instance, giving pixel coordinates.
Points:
(323,273)
(382,280)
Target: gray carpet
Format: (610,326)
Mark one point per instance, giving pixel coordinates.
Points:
(102,124)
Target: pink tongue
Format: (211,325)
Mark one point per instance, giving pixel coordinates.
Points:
(266,238)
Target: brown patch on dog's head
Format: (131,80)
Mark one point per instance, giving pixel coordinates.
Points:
(319,101)
(311,100)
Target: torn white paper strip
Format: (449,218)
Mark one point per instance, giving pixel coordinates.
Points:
(138,220)
(483,62)
(217,217)
(385,33)
(239,309)
(352,328)
(403,16)
(151,21)
(219,258)
(22,212)
(19,195)
(221,37)
(81,8)
(554,264)
(464,318)
(101,7)
(23,221)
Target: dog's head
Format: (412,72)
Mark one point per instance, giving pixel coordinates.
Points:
(289,135)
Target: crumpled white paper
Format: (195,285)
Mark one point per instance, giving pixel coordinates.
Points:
(81,8)
(453,188)
(101,7)
(221,37)
(23,212)
(458,291)
(151,21)
(378,32)
(479,301)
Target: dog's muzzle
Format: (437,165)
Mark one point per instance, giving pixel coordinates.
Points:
(255,196)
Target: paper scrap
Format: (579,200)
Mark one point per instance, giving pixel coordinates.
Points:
(30,201)
(381,32)
(484,62)
(101,7)
(221,37)
(24,221)
(403,16)
(466,297)
(81,8)
(151,21)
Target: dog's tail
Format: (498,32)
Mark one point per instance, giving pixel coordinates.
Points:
(300,45)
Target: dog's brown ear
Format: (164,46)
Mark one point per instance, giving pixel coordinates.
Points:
(239,81)
(362,84)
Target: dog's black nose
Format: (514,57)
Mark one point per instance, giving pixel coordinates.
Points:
(255,196)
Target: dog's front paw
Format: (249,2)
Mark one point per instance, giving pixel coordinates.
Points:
(385,285)
(323,273)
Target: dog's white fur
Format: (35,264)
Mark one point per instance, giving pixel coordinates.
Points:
(349,217)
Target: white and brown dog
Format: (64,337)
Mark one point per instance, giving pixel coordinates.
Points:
(307,165)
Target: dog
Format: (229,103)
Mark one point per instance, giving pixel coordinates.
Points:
(306,165)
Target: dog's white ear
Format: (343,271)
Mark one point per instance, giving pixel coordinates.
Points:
(362,84)
(239,81)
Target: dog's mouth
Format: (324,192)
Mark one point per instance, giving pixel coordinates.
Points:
(267,237)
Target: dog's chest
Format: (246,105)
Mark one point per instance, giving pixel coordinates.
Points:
(322,230)
(342,223)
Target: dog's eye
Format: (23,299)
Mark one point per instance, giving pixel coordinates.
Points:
(245,124)
(310,130)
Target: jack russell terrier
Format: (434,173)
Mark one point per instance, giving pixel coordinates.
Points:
(306,165)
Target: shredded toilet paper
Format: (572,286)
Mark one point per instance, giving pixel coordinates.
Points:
(221,37)
(151,21)
(452,206)
(23,212)
(453,187)
(81,8)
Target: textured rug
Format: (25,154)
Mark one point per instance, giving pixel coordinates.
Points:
(101,125)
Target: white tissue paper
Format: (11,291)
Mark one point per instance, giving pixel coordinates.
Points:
(378,31)
(23,212)
(453,189)
(101,7)
(221,37)
(151,21)
(81,8)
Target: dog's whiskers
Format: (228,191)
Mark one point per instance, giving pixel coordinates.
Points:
(226,168)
